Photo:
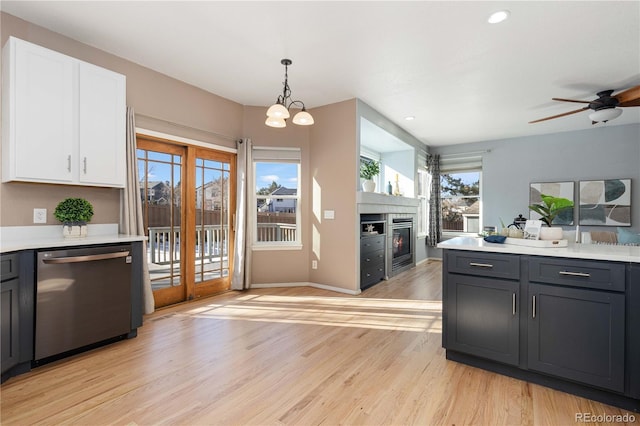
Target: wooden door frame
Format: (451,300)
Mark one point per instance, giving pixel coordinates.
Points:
(223,284)
(178,294)
(189,289)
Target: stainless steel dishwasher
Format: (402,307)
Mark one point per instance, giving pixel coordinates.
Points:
(83,296)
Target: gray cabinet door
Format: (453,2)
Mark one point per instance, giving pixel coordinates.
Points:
(482,317)
(577,334)
(9,321)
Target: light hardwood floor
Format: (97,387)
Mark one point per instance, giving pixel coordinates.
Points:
(295,356)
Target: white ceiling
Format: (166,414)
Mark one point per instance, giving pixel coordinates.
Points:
(463,79)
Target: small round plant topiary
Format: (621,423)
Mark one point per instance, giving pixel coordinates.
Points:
(74,211)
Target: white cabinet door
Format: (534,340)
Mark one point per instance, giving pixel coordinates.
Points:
(63,119)
(39,132)
(102,113)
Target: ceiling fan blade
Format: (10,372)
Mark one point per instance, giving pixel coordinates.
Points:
(571,100)
(629,97)
(559,115)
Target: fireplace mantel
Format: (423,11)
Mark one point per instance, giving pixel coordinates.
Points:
(373,202)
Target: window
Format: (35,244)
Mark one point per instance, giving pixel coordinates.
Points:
(277,198)
(460,195)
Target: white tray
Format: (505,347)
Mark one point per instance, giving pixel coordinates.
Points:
(537,243)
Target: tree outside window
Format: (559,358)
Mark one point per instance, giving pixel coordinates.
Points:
(460,194)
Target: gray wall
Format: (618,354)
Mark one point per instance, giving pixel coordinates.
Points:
(603,152)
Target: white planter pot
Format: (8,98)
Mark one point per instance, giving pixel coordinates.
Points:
(551,233)
(74,231)
(368,186)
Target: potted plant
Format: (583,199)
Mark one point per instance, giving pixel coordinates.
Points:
(368,170)
(74,213)
(549,210)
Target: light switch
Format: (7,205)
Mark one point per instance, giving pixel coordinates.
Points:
(329,214)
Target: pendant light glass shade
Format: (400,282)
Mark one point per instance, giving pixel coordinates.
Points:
(605,114)
(275,122)
(278,111)
(303,118)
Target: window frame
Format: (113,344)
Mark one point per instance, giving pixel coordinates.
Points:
(451,233)
(276,156)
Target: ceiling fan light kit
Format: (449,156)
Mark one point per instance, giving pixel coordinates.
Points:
(278,113)
(605,108)
(605,115)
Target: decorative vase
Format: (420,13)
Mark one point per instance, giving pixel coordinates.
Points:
(368,185)
(74,230)
(551,233)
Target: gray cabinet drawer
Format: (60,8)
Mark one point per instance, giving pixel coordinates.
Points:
(495,265)
(371,244)
(577,273)
(8,266)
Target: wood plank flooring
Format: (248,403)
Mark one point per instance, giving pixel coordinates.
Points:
(291,356)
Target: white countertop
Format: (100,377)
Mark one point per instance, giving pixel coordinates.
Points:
(577,251)
(15,238)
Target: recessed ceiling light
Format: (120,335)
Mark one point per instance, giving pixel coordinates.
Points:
(498,16)
(409,118)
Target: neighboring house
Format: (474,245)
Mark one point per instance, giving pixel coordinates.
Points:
(157,193)
(212,194)
(279,205)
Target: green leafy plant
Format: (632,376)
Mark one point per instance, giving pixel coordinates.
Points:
(550,207)
(369,169)
(74,211)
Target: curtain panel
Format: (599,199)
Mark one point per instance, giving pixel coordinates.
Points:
(434,231)
(131,222)
(241,276)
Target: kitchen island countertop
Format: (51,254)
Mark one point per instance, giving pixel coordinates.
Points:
(615,253)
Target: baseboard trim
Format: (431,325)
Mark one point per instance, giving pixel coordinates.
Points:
(307,284)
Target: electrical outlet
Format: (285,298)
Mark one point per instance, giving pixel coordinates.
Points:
(314,264)
(39,215)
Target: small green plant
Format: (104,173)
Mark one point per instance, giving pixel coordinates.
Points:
(369,169)
(550,207)
(74,211)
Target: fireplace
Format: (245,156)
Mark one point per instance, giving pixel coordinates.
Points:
(401,244)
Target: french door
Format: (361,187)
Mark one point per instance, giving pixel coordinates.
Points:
(188,196)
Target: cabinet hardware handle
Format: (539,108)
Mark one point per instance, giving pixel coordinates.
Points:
(85,165)
(533,306)
(367,260)
(481,265)
(513,303)
(69,163)
(575,274)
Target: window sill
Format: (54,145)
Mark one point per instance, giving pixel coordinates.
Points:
(272,247)
(459,234)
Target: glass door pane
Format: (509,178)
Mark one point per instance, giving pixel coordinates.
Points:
(212,242)
(160,176)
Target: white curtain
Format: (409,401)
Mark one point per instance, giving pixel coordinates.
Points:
(131,222)
(241,277)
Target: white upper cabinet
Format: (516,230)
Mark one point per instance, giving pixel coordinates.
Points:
(63,119)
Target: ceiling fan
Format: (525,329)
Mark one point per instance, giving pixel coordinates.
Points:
(604,108)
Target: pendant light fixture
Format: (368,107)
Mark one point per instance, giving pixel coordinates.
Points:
(279,112)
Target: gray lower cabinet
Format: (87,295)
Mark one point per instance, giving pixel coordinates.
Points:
(10,328)
(578,320)
(577,334)
(481,317)
(371,260)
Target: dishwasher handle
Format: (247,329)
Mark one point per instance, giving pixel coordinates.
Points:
(86,258)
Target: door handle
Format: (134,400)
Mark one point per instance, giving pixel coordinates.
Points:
(533,306)
(86,258)
(84,169)
(513,304)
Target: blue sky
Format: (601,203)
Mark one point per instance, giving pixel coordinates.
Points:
(285,174)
